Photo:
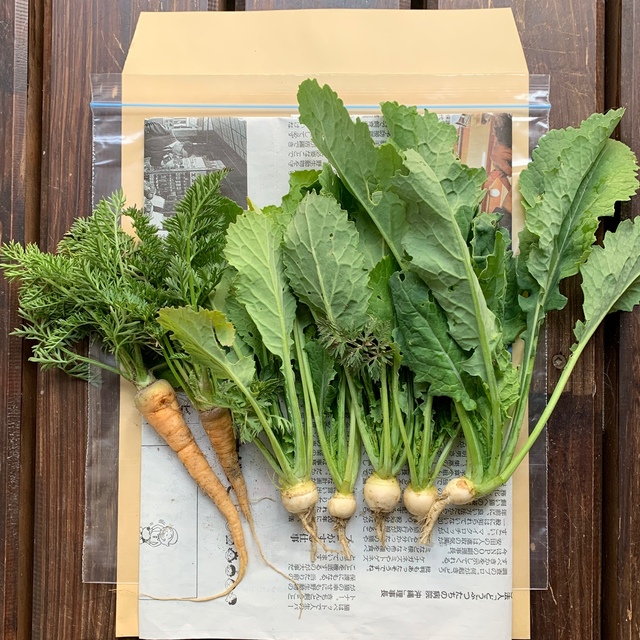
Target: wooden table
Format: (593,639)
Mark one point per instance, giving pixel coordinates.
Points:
(48,49)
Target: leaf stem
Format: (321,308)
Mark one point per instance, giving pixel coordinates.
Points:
(353,456)
(425,445)
(487,487)
(474,448)
(526,375)
(96,363)
(435,471)
(411,459)
(286,473)
(373,455)
(385,441)
(310,403)
(341,427)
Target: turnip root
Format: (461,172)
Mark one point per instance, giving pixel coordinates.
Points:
(301,500)
(382,495)
(459,491)
(419,502)
(341,507)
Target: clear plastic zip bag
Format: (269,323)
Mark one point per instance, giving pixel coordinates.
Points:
(261,143)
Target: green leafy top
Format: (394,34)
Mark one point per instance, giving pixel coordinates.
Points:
(108,285)
(324,265)
(365,170)
(95,288)
(194,241)
(611,277)
(253,250)
(459,296)
(575,177)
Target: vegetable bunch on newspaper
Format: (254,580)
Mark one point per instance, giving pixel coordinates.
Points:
(107,286)
(374,309)
(453,294)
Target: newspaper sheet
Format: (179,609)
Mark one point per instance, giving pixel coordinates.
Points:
(457,588)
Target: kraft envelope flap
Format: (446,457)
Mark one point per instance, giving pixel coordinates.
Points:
(235,58)
(352,41)
(355,49)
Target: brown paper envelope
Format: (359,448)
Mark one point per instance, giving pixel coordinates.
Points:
(233,63)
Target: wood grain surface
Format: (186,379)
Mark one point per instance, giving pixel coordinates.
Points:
(82,37)
(621,586)
(16,379)
(70,39)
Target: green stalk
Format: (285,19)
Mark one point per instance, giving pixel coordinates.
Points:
(526,376)
(398,420)
(293,408)
(424,478)
(360,421)
(134,367)
(177,369)
(341,441)
(399,451)
(413,467)
(353,456)
(288,476)
(385,442)
(474,448)
(487,487)
(273,463)
(440,463)
(304,463)
(96,363)
(324,445)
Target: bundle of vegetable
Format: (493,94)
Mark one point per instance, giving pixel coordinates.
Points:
(192,276)
(399,424)
(259,364)
(193,265)
(106,286)
(349,300)
(460,296)
(326,272)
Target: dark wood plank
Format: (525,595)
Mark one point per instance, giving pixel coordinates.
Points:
(261,5)
(83,37)
(621,590)
(16,441)
(564,38)
(614,582)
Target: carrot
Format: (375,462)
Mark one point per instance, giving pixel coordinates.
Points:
(218,425)
(101,285)
(157,402)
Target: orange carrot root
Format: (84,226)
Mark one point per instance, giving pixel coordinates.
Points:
(159,405)
(218,425)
